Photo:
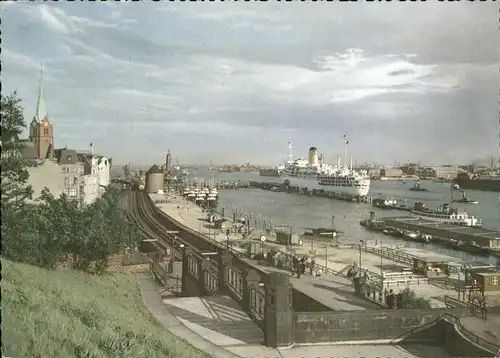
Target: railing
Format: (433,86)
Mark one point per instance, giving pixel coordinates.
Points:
(234,281)
(406,282)
(159,271)
(473,308)
(193,266)
(257,303)
(387,253)
(211,280)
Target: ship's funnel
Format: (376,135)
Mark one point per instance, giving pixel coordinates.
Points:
(313,156)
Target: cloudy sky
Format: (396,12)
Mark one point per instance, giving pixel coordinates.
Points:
(234,82)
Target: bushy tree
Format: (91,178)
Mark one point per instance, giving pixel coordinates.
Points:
(411,300)
(54,229)
(14,191)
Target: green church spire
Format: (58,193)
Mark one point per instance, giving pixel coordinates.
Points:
(41,109)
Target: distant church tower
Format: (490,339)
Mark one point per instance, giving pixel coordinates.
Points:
(41,130)
(168,162)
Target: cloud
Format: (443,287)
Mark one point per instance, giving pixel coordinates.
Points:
(232,82)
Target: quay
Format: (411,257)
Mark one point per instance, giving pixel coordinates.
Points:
(219,184)
(488,239)
(266,185)
(325,310)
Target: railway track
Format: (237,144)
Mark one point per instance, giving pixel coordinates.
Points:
(146,232)
(155,224)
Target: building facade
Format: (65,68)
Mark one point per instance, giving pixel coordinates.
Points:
(80,176)
(97,175)
(73,171)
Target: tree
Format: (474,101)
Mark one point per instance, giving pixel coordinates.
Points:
(99,230)
(14,191)
(411,300)
(54,229)
(12,119)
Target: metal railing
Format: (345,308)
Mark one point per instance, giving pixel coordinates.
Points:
(387,253)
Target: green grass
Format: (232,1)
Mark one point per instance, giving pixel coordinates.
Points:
(70,314)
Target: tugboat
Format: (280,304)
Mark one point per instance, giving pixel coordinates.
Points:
(465,199)
(417,187)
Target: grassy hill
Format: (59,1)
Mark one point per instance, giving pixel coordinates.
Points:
(70,314)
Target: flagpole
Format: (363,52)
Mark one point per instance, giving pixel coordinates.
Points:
(345,152)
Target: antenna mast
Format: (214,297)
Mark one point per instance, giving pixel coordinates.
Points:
(346,142)
(290,151)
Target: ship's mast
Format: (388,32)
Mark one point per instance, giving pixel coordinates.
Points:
(346,142)
(290,151)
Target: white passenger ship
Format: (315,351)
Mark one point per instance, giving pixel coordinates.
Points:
(314,174)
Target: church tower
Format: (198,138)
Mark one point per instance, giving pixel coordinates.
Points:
(41,129)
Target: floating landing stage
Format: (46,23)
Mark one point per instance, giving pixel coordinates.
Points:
(482,237)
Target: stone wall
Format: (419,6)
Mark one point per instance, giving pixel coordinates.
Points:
(315,327)
(190,286)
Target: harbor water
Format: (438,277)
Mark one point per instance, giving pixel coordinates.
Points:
(301,211)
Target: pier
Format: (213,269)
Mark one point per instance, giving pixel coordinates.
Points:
(305,191)
(484,238)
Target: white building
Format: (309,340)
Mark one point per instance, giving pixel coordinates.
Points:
(104,171)
(97,176)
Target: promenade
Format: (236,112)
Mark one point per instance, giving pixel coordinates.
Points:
(333,291)
(227,325)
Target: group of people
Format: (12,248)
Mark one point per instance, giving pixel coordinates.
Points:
(299,265)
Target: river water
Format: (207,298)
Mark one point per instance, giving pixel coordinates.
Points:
(301,211)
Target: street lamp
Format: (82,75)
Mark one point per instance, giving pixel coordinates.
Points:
(381,265)
(360,243)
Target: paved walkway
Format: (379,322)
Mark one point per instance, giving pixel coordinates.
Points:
(154,303)
(488,330)
(219,327)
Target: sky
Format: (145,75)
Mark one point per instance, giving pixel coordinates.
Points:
(234,82)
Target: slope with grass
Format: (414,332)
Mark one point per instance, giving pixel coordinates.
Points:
(65,313)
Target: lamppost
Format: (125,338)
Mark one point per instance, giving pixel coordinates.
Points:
(174,239)
(381,265)
(360,243)
(227,239)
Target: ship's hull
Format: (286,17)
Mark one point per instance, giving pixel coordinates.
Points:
(478,184)
(269,173)
(338,185)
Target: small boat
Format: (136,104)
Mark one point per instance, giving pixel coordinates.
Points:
(410,235)
(424,238)
(417,187)
(393,232)
(465,200)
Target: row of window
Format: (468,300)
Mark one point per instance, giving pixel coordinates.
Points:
(71,169)
(45,131)
(69,180)
(72,193)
